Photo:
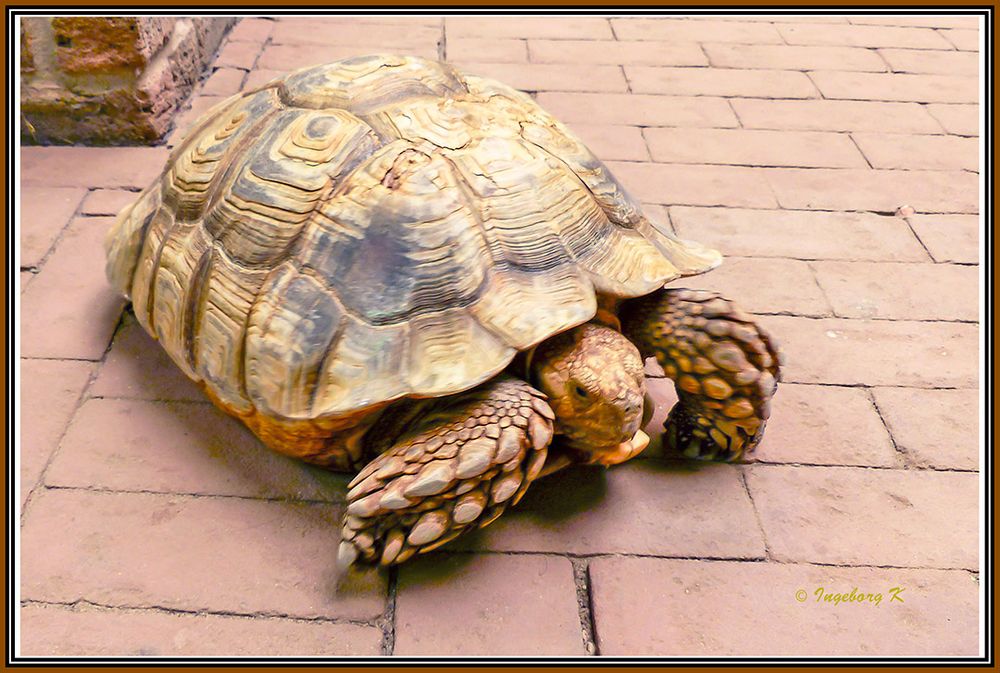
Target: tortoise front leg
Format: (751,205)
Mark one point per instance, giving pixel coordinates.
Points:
(724,365)
(468,458)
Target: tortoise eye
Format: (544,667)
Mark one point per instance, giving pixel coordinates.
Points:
(580,391)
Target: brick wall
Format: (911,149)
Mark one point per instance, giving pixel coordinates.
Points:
(110,80)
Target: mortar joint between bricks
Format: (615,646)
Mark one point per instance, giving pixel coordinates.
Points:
(585,603)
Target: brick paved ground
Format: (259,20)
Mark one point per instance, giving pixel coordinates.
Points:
(834,160)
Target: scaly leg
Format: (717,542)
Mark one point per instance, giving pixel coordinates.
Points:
(468,458)
(724,365)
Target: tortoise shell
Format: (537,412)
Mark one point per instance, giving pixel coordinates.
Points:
(377,228)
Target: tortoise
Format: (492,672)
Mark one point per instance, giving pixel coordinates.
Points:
(386,266)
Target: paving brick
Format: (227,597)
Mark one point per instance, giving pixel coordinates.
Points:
(633,109)
(137,367)
(196,109)
(223,82)
(635,52)
(825,425)
(877,352)
(753,147)
(897,87)
(687,30)
(863,36)
(695,185)
(566,27)
(382,19)
(900,150)
(177,447)
(610,142)
(964,40)
(487,605)
(50,390)
(44,212)
(784,57)
(932,62)
(552,77)
(662,394)
(928,21)
(112,167)
(834,115)
(69,311)
(962,120)
(488,50)
(251,30)
(720,82)
(800,234)
(240,55)
(204,554)
(257,78)
(765,285)
(878,190)
(25,277)
(771,18)
(351,33)
(847,515)
(900,291)
(283,58)
(713,608)
(107,201)
(50,630)
(933,428)
(949,238)
(642,507)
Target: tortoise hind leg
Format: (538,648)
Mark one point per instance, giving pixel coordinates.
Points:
(466,460)
(724,365)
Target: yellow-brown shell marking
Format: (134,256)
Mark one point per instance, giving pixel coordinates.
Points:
(376,228)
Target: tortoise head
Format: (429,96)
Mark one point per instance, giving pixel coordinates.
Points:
(594,379)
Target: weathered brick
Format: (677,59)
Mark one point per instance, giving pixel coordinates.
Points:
(897,87)
(961,120)
(863,36)
(847,515)
(932,62)
(282,58)
(551,77)
(825,425)
(964,40)
(753,147)
(720,82)
(949,238)
(55,630)
(50,390)
(223,82)
(877,352)
(113,167)
(487,50)
(45,211)
(633,109)
(784,57)
(487,605)
(69,311)
(875,190)
(834,115)
(614,52)
(765,285)
(900,291)
(933,428)
(203,554)
(687,30)
(178,447)
(568,27)
(695,185)
(251,30)
(926,20)
(240,55)
(610,142)
(713,608)
(899,150)
(799,234)
(108,202)
(641,507)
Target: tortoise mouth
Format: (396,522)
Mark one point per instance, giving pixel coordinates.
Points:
(627,450)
